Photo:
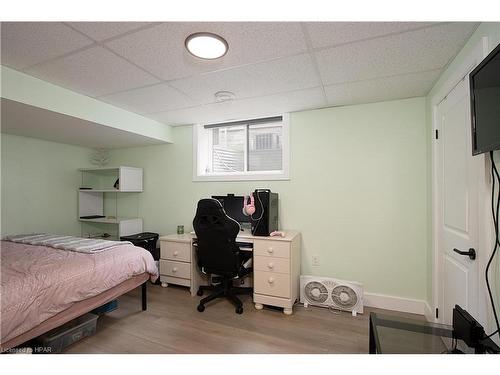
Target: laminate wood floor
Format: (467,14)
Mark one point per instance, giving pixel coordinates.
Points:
(173,325)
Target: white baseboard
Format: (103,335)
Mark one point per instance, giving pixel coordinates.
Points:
(409,305)
(429,314)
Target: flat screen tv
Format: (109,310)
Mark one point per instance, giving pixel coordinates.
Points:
(485,104)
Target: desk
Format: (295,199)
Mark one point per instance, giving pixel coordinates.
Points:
(399,335)
(276,265)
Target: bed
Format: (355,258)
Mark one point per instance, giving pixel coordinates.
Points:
(44,287)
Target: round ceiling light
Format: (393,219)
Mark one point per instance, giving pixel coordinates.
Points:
(206,45)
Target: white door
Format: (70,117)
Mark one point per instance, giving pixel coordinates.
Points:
(456,204)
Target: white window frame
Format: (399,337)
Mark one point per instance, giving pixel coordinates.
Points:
(283,174)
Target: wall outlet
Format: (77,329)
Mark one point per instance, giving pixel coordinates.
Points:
(315,260)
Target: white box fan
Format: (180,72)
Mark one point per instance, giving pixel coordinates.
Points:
(332,293)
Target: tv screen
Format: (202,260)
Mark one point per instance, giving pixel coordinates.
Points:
(485,104)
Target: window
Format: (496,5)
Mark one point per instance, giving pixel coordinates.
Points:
(241,150)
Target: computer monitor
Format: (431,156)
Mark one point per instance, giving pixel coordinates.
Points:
(233,205)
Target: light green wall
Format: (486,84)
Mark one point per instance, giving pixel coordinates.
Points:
(39,185)
(26,89)
(357,191)
(491,30)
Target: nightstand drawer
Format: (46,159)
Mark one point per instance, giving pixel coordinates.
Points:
(272,284)
(271,264)
(280,249)
(179,251)
(176,269)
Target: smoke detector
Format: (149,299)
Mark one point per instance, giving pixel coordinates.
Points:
(224,96)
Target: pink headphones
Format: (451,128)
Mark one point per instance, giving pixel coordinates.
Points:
(248,209)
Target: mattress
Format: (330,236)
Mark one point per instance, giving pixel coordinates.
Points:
(39,282)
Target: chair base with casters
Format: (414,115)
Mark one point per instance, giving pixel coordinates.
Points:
(224,289)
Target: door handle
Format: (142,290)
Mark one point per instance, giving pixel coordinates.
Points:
(471,253)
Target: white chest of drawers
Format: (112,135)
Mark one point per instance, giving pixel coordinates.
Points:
(276,271)
(177,264)
(276,264)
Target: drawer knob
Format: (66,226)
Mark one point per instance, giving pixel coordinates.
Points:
(271,280)
(176,253)
(271,265)
(270,250)
(174,269)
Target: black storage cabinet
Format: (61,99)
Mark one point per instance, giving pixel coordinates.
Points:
(146,240)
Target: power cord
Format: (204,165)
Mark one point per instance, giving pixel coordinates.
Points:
(454,349)
(261,214)
(494,174)
(261,207)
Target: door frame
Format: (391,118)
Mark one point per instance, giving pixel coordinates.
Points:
(485,225)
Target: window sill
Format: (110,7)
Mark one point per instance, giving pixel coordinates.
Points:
(243,177)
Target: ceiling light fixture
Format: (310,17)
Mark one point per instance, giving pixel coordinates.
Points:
(206,46)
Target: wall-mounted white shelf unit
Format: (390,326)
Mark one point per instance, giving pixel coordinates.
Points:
(98,201)
(108,220)
(123,226)
(128,179)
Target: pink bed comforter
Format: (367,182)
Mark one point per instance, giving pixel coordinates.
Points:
(37,282)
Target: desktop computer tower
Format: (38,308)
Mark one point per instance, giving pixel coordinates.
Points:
(265,218)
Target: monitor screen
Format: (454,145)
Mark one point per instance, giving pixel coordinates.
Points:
(233,205)
(485,104)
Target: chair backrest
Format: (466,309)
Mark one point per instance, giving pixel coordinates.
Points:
(216,233)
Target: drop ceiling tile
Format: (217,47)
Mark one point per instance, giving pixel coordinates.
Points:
(104,30)
(421,50)
(156,98)
(381,89)
(93,72)
(324,34)
(245,108)
(28,43)
(269,105)
(270,77)
(161,50)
